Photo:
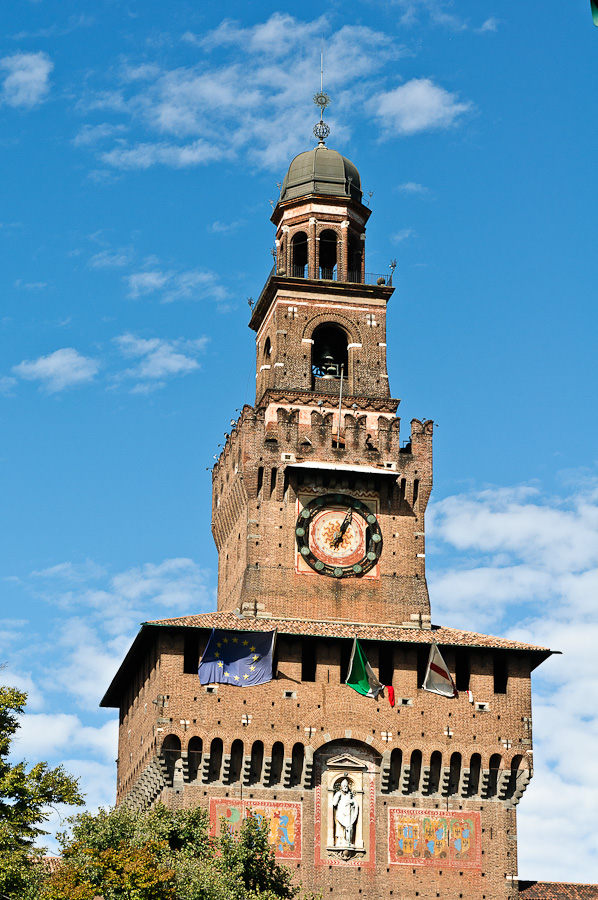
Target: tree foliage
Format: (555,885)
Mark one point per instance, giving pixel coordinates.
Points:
(122,854)
(25,795)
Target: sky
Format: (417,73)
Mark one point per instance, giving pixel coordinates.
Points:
(141,144)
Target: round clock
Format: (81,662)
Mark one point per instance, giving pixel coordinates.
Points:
(338,536)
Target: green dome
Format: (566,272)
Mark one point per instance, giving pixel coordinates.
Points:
(321,171)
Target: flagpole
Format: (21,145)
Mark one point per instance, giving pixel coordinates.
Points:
(340,404)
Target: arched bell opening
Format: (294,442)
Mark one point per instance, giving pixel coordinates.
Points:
(328,254)
(299,254)
(171,753)
(355,256)
(329,355)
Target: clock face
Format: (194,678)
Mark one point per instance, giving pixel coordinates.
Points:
(338,536)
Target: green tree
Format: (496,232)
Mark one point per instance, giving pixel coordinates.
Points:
(25,795)
(123,854)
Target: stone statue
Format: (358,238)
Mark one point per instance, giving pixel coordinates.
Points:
(346,811)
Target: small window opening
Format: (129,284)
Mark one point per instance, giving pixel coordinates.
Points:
(385,663)
(273,475)
(260,480)
(191,655)
(462,671)
(501,675)
(308,659)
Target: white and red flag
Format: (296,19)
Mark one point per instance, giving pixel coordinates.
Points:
(438,678)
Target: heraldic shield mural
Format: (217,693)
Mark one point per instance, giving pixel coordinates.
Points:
(428,837)
(284,822)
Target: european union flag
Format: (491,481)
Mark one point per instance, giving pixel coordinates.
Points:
(237,657)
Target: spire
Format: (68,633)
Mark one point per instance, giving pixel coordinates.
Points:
(322,100)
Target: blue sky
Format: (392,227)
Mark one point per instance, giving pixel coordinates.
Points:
(141,145)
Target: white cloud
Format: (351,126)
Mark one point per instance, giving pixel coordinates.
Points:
(59,370)
(413,187)
(146,155)
(195,115)
(63,732)
(7,385)
(524,563)
(194,284)
(158,359)
(110,259)
(399,236)
(89,135)
(26,83)
(30,285)
(418,105)
(141,283)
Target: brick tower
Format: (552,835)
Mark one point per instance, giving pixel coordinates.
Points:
(318,517)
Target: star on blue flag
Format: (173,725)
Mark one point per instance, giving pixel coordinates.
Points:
(227,660)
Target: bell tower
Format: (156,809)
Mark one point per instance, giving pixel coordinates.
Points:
(318,509)
(318,517)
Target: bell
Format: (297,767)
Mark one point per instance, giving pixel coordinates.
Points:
(328,364)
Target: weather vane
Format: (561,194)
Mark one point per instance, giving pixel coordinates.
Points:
(322,100)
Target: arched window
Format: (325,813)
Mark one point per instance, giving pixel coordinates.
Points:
(415,771)
(171,752)
(435,769)
(495,761)
(299,255)
(257,762)
(277,761)
(454,774)
(328,254)
(475,767)
(194,755)
(396,760)
(215,759)
(329,353)
(297,759)
(236,761)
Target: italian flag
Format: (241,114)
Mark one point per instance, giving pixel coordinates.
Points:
(438,678)
(594,6)
(361,676)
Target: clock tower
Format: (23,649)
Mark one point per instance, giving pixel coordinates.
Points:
(318,509)
(318,517)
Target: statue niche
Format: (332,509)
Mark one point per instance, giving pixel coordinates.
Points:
(345,789)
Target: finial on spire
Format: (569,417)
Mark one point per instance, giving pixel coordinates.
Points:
(322,100)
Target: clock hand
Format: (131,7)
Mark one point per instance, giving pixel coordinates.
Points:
(338,535)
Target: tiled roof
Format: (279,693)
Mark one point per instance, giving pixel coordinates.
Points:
(339,629)
(556,890)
